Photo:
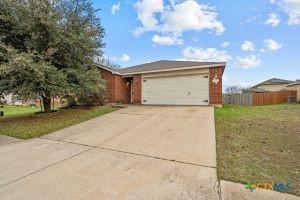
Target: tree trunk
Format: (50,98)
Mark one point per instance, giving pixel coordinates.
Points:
(47,104)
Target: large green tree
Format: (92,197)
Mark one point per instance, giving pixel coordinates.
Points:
(47,49)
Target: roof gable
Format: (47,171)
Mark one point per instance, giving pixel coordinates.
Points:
(274,81)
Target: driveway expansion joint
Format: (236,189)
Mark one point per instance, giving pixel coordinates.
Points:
(53,164)
(86,145)
(137,154)
(155,157)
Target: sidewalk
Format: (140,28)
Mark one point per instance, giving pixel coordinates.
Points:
(236,191)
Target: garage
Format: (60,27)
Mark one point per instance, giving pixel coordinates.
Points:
(166,82)
(176,90)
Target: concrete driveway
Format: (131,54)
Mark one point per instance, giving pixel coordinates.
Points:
(139,152)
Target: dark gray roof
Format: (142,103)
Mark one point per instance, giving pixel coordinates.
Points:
(166,64)
(274,81)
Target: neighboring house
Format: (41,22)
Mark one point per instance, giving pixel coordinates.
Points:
(295,86)
(273,84)
(166,83)
(10,101)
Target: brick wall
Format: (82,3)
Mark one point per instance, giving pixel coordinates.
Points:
(215,87)
(122,90)
(117,90)
(109,85)
(137,88)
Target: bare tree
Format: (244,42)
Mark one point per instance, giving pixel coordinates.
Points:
(233,89)
(106,62)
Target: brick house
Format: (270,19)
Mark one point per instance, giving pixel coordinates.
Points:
(165,83)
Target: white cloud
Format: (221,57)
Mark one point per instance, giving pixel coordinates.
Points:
(225,44)
(247,62)
(272,45)
(124,58)
(190,15)
(241,84)
(251,19)
(166,40)
(147,9)
(291,8)
(195,39)
(176,17)
(247,46)
(273,20)
(294,18)
(115,8)
(205,55)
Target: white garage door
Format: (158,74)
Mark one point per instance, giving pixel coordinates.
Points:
(176,90)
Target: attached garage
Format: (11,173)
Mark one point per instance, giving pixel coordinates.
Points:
(166,83)
(176,90)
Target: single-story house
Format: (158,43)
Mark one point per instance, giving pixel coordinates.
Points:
(273,84)
(166,83)
(295,86)
(8,99)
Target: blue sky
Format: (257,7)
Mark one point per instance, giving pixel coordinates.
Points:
(259,39)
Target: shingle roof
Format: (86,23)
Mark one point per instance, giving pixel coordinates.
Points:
(274,81)
(167,64)
(294,83)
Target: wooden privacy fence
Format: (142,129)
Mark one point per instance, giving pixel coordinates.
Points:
(266,98)
(262,98)
(238,98)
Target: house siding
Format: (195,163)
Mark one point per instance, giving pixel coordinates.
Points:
(295,87)
(215,89)
(177,73)
(272,88)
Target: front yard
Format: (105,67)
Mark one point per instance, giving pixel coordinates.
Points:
(20,122)
(259,144)
(10,111)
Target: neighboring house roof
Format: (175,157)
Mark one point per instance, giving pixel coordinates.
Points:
(273,81)
(292,84)
(166,65)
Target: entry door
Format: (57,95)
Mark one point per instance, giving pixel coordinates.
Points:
(176,90)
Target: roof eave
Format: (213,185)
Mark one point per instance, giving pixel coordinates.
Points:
(292,84)
(108,69)
(175,69)
(261,84)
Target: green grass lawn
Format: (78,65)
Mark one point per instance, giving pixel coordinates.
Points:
(259,144)
(22,123)
(18,110)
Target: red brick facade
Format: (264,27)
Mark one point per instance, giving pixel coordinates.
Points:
(117,88)
(109,78)
(122,90)
(137,88)
(215,85)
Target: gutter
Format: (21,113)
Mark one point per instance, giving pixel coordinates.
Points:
(172,69)
(160,70)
